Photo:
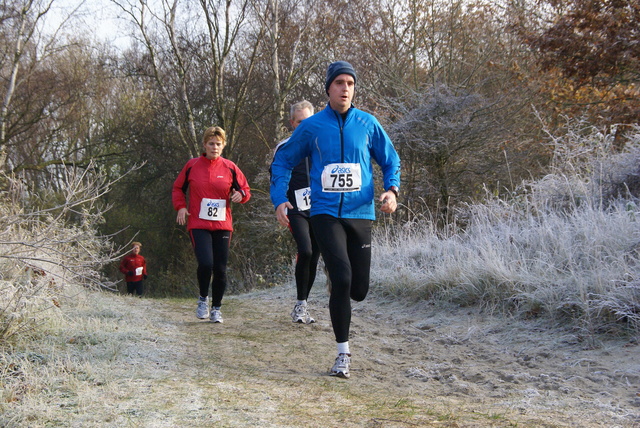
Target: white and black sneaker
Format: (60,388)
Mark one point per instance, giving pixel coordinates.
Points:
(301,314)
(203,309)
(216,316)
(341,366)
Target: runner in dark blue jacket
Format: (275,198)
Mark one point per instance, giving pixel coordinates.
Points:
(341,143)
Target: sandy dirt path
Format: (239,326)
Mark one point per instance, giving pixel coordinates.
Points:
(150,363)
(412,366)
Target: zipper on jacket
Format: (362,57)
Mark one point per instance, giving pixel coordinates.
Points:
(341,126)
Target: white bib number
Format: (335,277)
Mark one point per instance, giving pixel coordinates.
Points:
(303,198)
(138,271)
(341,177)
(213,209)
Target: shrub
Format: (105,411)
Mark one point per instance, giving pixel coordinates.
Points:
(47,241)
(566,245)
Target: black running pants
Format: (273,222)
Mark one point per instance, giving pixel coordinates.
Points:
(308,254)
(212,253)
(345,245)
(136,287)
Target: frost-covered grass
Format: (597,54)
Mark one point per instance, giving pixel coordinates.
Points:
(50,256)
(47,240)
(565,246)
(70,368)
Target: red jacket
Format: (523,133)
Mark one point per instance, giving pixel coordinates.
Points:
(136,264)
(212,179)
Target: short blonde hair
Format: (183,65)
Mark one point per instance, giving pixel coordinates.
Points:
(214,131)
(134,243)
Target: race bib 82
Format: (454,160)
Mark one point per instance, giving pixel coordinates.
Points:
(213,209)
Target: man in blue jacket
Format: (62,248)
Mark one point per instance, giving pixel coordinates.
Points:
(341,142)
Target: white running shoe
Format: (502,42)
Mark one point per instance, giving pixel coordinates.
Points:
(300,314)
(216,316)
(203,309)
(341,366)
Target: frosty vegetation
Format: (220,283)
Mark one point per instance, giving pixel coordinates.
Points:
(47,241)
(565,246)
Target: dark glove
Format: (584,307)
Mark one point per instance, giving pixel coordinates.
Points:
(130,273)
(145,276)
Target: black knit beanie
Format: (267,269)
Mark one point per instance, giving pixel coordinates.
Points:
(337,68)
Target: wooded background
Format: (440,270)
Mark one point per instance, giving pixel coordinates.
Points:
(469,92)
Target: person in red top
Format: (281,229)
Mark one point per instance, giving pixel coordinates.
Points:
(134,268)
(211,183)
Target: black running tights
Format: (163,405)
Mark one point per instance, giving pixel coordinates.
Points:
(345,245)
(212,253)
(308,254)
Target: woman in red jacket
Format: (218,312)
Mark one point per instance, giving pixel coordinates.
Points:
(134,268)
(211,182)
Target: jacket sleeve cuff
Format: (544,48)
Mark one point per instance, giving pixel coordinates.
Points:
(278,201)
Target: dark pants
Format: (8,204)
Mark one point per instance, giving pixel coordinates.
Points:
(135,286)
(212,253)
(308,254)
(345,245)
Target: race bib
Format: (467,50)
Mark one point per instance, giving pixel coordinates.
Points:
(303,198)
(213,209)
(138,271)
(341,177)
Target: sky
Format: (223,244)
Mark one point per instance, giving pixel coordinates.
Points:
(100,19)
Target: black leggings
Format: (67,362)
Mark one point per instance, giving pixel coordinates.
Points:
(308,254)
(346,249)
(212,253)
(135,287)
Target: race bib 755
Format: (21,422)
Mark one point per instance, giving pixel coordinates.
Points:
(341,177)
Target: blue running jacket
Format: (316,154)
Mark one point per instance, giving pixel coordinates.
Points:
(335,146)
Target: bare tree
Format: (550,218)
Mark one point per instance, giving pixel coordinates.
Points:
(54,96)
(293,50)
(23,48)
(159,36)
(198,60)
(231,53)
